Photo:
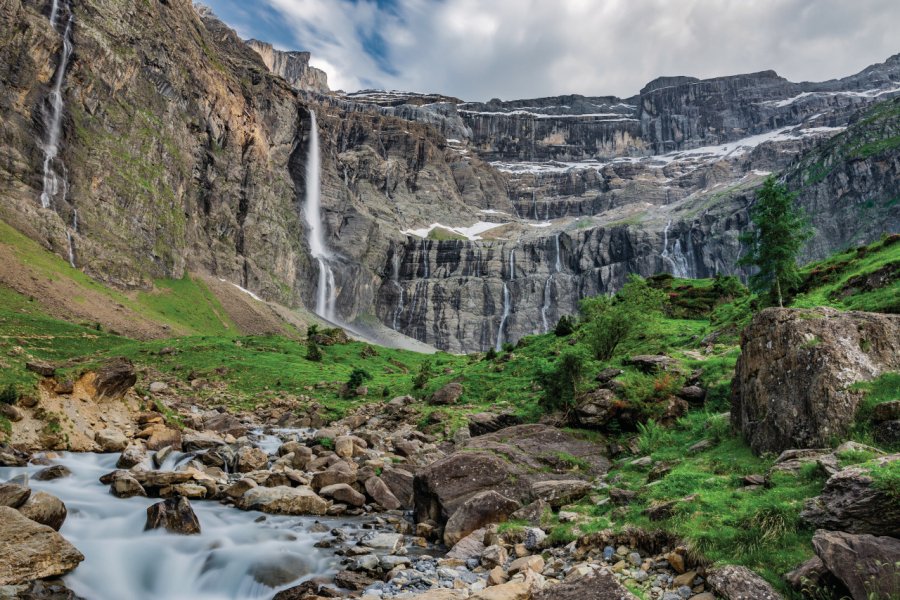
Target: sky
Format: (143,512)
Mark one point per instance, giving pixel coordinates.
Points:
(510,49)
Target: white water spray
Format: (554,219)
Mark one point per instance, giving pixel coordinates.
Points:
(53,120)
(676,259)
(326,295)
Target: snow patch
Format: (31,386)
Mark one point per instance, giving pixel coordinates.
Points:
(471,233)
(243,289)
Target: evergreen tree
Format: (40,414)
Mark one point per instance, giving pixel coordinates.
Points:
(313,352)
(780,229)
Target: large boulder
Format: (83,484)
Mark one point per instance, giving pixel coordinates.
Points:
(339,472)
(381,493)
(174,515)
(45,509)
(486,422)
(508,461)
(449,394)
(400,483)
(342,492)
(283,500)
(114,378)
(13,495)
(852,501)
(793,380)
(250,459)
(481,509)
(598,585)
(740,583)
(31,550)
(595,409)
(111,440)
(868,565)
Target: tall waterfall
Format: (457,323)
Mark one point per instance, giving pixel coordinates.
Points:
(676,259)
(53,183)
(326,294)
(557,267)
(507,302)
(395,276)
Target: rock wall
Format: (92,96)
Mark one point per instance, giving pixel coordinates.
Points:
(293,67)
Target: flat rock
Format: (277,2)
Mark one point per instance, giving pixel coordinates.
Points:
(598,585)
(31,550)
(283,500)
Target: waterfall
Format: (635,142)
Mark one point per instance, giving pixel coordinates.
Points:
(557,267)
(53,120)
(395,277)
(506,302)
(326,295)
(677,259)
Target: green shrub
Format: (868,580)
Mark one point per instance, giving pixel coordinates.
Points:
(490,355)
(356,379)
(565,326)
(508,347)
(313,352)
(610,321)
(423,376)
(560,381)
(9,395)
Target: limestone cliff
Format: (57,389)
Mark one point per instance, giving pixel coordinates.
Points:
(293,67)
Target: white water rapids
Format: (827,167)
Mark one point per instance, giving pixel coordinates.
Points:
(230,560)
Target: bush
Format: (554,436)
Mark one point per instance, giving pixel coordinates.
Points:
(313,352)
(491,354)
(565,326)
(560,382)
(423,376)
(508,347)
(357,377)
(609,321)
(9,395)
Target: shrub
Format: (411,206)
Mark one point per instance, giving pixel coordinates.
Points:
(357,377)
(609,321)
(491,354)
(313,352)
(423,376)
(565,326)
(560,382)
(9,395)
(508,347)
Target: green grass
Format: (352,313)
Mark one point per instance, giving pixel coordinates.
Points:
(882,389)
(188,303)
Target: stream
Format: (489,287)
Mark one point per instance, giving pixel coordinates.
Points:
(239,555)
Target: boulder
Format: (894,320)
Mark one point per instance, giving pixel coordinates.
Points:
(126,486)
(341,492)
(41,368)
(558,492)
(238,488)
(449,394)
(111,440)
(13,495)
(849,502)
(283,500)
(45,509)
(597,585)
(652,363)
(381,494)
(468,548)
(51,473)
(225,424)
(400,482)
(793,380)
(513,590)
(740,583)
(114,378)
(173,514)
(250,459)
(192,442)
(134,454)
(693,394)
(481,509)
(339,472)
(13,413)
(31,550)
(597,408)
(810,574)
(868,565)
(343,446)
(486,422)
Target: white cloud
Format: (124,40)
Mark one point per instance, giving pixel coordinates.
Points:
(478,49)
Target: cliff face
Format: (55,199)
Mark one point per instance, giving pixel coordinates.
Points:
(182,148)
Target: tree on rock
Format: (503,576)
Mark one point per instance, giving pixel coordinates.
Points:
(780,229)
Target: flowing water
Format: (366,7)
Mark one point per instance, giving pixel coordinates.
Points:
(507,302)
(676,259)
(53,182)
(235,557)
(557,267)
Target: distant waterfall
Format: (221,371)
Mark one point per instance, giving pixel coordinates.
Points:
(395,277)
(53,182)
(507,302)
(557,267)
(676,259)
(326,294)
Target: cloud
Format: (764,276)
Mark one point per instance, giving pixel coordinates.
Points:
(478,49)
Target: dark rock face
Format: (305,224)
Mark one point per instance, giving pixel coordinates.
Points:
(174,515)
(792,378)
(114,378)
(851,503)
(868,565)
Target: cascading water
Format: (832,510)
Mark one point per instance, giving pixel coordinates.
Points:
(53,183)
(507,302)
(326,294)
(557,267)
(676,259)
(395,277)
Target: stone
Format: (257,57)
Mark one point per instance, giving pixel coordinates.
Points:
(597,408)
(250,459)
(496,576)
(114,378)
(607,374)
(887,432)
(849,502)
(126,486)
(686,578)
(693,394)
(283,500)
(559,492)
(512,590)
(158,387)
(793,385)
(339,472)
(40,551)
(810,574)
(534,538)
(45,509)
(400,483)
(13,495)
(51,473)
(341,492)
(385,542)
(468,548)
(652,363)
(41,368)
(481,509)
(353,580)
(535,563)
(12,413)
(193,442)
(740,583)
(111,440)
(238,488)
(494,556)
(134,454)
(597,585)
(449,394)
(868,565)
(343,446)
(225,424)
(621,497)
(486,422)
(378,490)
(175,515)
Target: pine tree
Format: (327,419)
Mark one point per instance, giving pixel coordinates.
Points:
(780,229)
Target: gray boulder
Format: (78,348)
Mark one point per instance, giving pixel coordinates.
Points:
(31,550)
(174,515)
(868,565)
(740,583)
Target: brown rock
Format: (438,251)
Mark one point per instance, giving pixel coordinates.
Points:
(41,368)
(13,413)
(339,472)
(481,509)
(868,565)
(513,590)
(45,509)
(114,378)
(39,551)
(13,495)
(740,583)
(449,394)
(381,494)
(225,424)
(111,440)
(793,380)
(599,585)
(173,514)
(400,482)
(250,459)
(51,473)
(283,500)
(341,492)
(530,563)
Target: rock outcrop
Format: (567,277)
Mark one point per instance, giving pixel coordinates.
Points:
(868,565)
(293,67)
(32,551)
(792,386)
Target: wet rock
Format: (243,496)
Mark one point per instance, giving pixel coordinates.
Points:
(40,552)
(250,459)
(45,509)
(175,515)
(111,440)
(740,583)
(793,380)
(133,455)
(384,542)
(51,473)
(481,509)
(283,500)
(225,424)
(868,565)
(353,580)
(193,442)
(126,486)
(341,492)
(13,495)
(237,489)
(381,494)
(849,502)
(449,394)
(114,378)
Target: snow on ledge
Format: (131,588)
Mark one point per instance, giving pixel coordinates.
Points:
(471,233)
(245,290)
